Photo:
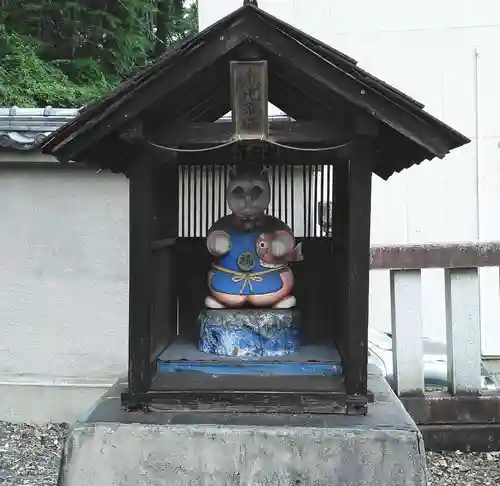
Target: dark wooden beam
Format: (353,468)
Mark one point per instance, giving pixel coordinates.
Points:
(272,156)
(441,408)
(285,132)
(465,437)
(339,228)
(140,273)
(356,266)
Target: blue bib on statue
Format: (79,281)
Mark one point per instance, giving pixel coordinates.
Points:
(239,272)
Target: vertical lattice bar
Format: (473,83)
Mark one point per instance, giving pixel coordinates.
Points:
(266,171)
(315,205)
(226,182)
(309,202)
(221,192)
(182,202)
(292,197)
(195,202)
(225,174)
(200,202)
(324,174)
(213,194)
(280,191)
(189,202)
(407,329)
(304,198)
(207,200)
(330,197)
(285,182)
(271,184)
(272,204)
(463,330)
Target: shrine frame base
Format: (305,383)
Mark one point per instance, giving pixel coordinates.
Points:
(247,394)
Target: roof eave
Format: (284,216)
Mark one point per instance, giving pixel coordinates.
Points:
(397,110)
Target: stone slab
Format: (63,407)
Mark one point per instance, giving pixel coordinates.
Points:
(54,403)
(113,447)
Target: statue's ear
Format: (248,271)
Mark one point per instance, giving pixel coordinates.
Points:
(264,170)
(232,171)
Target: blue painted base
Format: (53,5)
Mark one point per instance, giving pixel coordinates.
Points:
(249,332)
(314,360)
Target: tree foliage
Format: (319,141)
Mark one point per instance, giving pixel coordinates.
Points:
(66,53)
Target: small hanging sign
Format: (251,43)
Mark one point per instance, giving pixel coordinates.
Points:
(249,95)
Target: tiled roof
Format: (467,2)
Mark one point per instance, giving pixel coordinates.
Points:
(26,128)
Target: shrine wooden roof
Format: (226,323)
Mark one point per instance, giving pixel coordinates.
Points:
(307,80)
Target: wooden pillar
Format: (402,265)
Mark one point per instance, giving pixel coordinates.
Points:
(356,230)
(165,212)
(140,266)
(340,213)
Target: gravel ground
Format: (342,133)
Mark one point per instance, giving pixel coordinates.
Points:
(29,455)
(456,468)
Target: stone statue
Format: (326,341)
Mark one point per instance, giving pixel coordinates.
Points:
(252,250)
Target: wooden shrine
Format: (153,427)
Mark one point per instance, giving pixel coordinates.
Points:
(165,129)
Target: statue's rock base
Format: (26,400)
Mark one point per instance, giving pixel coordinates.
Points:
(249,332)
(205,448)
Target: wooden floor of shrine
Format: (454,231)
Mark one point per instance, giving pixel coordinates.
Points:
(310,360)
(308,380)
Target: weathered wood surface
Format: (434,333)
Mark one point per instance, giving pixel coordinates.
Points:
(465,423)
(163,309)
(249,94)
(282,131)
(356,218)
(140,274)
(447,255)
(247,394)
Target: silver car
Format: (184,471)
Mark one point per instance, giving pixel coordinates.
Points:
(435,362)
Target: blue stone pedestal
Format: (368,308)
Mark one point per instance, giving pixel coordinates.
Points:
(249,332)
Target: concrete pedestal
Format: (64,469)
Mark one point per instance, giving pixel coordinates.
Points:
(111,447)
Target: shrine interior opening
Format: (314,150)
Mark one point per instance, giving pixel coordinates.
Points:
(296,193)
(320,283)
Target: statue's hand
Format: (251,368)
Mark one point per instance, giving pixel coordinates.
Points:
(218,243)
(282,244)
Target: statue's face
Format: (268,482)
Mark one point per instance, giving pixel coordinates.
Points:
(248,195)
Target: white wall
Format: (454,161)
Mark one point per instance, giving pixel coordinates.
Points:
(63,275)
(429,50)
